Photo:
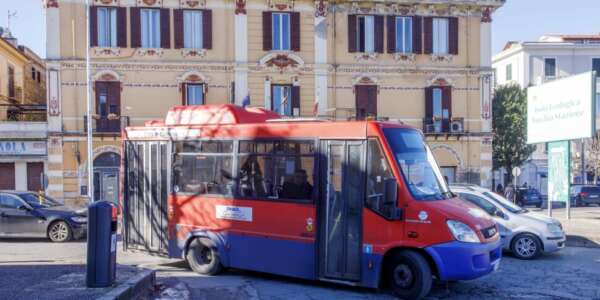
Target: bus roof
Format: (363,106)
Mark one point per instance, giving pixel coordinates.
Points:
(205,121)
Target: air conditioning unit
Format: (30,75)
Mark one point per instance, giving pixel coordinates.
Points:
(456,126)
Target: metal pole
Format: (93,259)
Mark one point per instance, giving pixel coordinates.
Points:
(568,206)
(583,174)
(547,183)
(90,152)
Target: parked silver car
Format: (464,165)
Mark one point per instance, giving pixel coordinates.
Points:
(526,234)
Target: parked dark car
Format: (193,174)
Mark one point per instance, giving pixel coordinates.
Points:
(584,195)
(529,196)
(27,214)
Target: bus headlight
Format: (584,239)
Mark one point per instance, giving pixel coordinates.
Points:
(462,232)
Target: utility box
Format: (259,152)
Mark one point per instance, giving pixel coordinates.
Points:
(101,244)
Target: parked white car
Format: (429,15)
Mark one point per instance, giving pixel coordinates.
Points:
(526,234)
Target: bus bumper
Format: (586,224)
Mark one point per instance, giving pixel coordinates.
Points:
(465,261)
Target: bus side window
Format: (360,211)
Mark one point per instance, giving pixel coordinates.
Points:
(378,172)
(276,169)
(203,167)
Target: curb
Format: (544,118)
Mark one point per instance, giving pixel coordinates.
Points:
(137,285)
(578,241)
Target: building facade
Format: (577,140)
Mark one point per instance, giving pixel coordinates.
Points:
(23,128)
(536,62)
(426,63)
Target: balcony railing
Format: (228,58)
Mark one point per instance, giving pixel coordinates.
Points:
(106,125)
(444,126)
(12,112)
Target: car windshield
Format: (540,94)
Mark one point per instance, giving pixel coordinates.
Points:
(38,201)
(505,203)
(420,171)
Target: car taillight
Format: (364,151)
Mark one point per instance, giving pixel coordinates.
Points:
(583,194)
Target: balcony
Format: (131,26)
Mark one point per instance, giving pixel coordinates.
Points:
(110,125)
(444,127)
(21,121)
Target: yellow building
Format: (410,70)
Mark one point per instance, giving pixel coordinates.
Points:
(426,63)
(23,128)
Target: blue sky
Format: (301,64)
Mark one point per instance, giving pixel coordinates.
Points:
(517,20)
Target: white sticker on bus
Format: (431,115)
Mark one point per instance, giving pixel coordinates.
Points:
(237,213)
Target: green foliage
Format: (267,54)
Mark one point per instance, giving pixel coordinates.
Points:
(510,128)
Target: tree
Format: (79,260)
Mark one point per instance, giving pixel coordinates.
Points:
(509,123)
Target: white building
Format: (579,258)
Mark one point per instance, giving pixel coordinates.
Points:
(535,62)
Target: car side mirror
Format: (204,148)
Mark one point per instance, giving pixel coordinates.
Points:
(24,207)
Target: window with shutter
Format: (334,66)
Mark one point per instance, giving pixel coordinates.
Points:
(281,31)
(365,34)
(192,29)
(366,101)
(453,36)
(150,28)
(281,99)
(193,94)
(165,28)
(404,34)
(93,26)
(440,34)
(207,29)
(391,34)
(106,18)
(438,109)
(295,31)
(417,43)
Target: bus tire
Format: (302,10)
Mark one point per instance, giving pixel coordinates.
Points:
(409,275)
(203,257)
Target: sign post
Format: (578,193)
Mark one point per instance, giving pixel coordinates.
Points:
(558,112)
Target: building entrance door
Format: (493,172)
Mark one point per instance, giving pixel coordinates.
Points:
(106,177)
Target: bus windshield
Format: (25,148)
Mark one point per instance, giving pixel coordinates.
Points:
(421,172)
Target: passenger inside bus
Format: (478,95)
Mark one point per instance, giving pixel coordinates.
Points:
(298,187)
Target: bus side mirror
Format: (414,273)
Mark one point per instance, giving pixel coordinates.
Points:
(391,199)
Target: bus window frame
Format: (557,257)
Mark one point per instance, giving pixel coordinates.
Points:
(174,153)
(383,153)
(316,156)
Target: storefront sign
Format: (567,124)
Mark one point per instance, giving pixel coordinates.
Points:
(22,148)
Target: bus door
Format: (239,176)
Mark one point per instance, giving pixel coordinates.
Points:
(340,209)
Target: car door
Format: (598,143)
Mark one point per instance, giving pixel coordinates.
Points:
(17,221)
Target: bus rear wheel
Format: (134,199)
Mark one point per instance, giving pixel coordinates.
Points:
(203,257)
(409,275)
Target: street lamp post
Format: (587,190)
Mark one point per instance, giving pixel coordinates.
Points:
(90,152)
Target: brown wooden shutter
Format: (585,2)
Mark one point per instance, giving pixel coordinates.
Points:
(93,26)
(372,101)
(207,29)
(351,33)
(361,104)
(417,38)
(183,87)
(35,172)
(391,34)
(378,34)
(428,29)
(447,99)
(429,103)
(267,31)
(295,31)
(453,36)
(295,99)
(165,28)
(122,27)
(7,176)
(134,19)
(178,28)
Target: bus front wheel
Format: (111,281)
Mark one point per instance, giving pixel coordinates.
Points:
(203,257)
(409,275)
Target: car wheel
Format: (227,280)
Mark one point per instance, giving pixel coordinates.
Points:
(526,246)
(203,257)
(60,232)
(409,275)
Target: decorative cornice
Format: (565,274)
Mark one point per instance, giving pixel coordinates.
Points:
(281,4)
(192,3)
(363,56)
(51,3)
(158,52)
(240,7)
(193,53)
(106,52)
(486,15)
(320,9)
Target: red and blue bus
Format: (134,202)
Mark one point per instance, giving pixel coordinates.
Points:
(361,203)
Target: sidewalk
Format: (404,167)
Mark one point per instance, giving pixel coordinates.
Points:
(38,269)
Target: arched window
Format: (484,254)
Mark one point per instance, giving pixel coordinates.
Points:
(193,90)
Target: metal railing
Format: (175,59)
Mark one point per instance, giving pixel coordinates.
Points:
(13,112)
(106,125)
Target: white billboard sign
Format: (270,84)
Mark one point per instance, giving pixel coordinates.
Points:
(561,110)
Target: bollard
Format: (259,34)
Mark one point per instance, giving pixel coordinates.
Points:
(101,244)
